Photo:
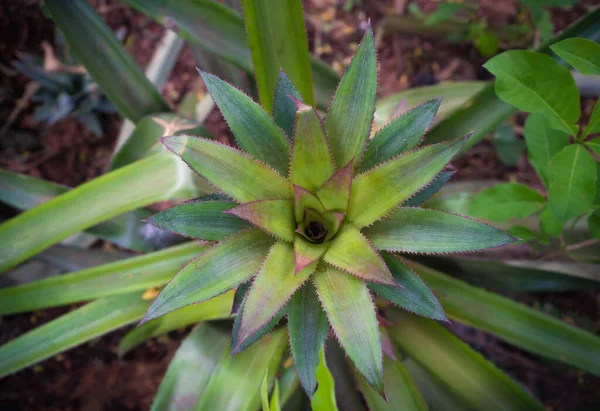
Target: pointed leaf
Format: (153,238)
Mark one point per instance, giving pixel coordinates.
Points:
(305,252)
(276,217)
(272,288)
(217,270)
(582,54)
(594,144)
(284,108)
(334,194)
(466,372)
(412,293)
(311,161)
(351,251)
(505,201)
(235,334)
(308,328)
(304,199)
(254,130)
(200,219)
(217,308)
(379,191)
(351,312)
(594,121)
(233,172)
(350,115)
(419,230)
(402,134)
(430,190)
(240,294)
(72,329)
(572,182)
(324,398)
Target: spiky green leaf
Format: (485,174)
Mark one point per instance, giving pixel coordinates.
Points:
(276,217)
(303,200)
(311,162)
(254,130)
(380,190)
(236,345)
(232,171)
(351,313)
(334,194)
(428,192)
(402,134)
(308,327)
(350,115)
(305,252)
(419,230)
(351,251)
(284,108)
(240,294)
(217,270)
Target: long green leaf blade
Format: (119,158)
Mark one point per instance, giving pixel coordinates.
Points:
(217,270)
(350,115)
(308,328)
(92,203)
(232,171)
(284,108)
(387,186)
(351,312)
(463,370)
(105,59)
(419,230)
(275,217)
(85,323)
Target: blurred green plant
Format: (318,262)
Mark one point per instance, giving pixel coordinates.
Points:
(309,232)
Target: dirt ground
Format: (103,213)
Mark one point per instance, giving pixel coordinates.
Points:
(91,377)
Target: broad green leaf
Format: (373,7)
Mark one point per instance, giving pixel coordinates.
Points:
(324,398)
(400,390)
(197,359)
(380,190)
(72,329)
(205,220)
(520,82)
(305,252)
(351,313)
(594,123)
(97,48)
(411,293)
(217,308)
(284,108)
(572,182)
(550,224)
(419,230)
(513,322)
(594,145)
(334,194)
(148,130)
(402,134)
(508,147)
(156,178)
(217,270)
(311,163)
(271,289)
(429,191)
(543,143)
(351,251)
(517,275)
(265,22)
(124,276)
(232,171)
(505,201)
(350,114)
(254,130)
(582,54)
(464,371)
(308,328)
(24,192)
(594,224)
(276,217)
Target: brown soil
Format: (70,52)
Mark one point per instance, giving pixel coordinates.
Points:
(91,377)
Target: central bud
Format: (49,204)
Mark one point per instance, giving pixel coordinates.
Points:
(315,232)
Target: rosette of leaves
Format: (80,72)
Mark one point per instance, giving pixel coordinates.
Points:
(308,225)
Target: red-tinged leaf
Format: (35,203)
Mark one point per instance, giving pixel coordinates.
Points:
(335,192)
(304,199)
(272,288)
(233,172)
(305,252)
(311,161)
(382,189)
(217,270)
(350,115)
(276,217)
(419,230)
(350,251)
(351,313)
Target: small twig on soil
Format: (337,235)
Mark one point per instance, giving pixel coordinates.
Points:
(30,90)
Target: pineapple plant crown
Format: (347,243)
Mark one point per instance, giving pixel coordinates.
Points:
(312,215)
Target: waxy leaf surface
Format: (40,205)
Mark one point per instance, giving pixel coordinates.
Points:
(582,54)
(505,201)
(276,217)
